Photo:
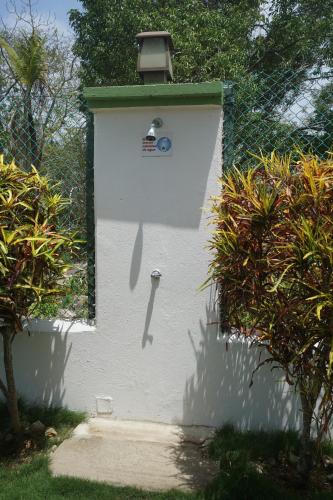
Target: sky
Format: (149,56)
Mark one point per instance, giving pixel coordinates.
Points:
(57,8)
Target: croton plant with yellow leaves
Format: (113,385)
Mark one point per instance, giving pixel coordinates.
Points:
(273,263)
(34,255)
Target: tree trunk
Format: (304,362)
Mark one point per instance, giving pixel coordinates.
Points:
(7,336)
(33,142)
(30,140)
(34,149)
(309,395)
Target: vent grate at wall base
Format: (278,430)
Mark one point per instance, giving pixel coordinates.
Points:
(104,405)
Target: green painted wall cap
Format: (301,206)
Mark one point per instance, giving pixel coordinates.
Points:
(176,94)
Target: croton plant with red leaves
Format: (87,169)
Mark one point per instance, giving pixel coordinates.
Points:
(34,255)
(273,263)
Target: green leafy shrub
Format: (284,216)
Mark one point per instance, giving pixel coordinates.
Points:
(238,453)
(33,256)
(273,264)
(255,444)
(71,304)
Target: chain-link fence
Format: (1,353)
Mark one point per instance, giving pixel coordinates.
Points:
(279,111)
(49,131)
(262,113)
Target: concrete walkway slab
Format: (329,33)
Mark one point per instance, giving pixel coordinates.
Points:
(141,454)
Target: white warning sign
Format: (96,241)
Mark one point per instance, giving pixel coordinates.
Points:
(161,146)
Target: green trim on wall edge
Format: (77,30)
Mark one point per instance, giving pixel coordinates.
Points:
(176,94)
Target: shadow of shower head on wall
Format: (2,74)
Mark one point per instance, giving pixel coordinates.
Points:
(146,337)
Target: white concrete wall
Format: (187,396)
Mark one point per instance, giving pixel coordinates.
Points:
(149,215)
(59,363)
(155,349)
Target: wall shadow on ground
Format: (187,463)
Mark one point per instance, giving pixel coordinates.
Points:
(195,468)
(40,360)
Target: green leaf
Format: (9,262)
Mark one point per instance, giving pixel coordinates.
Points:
(318,310)
(279,281)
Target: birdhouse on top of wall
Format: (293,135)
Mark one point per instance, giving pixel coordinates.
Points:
(154,59)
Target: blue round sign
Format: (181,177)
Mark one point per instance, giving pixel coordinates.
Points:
(164,144)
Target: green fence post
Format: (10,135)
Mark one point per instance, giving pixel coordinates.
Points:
(90,214)
(228,125)
(228,151)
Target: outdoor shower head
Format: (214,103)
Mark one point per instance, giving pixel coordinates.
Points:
(151,134)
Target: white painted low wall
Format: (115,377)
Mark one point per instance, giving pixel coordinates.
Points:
(58,363)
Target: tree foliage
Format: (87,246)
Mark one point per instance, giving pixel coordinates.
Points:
(214,40)
(27,63)
(38,68)
(274,52)
(273,264)
(211,42)
(40,118)
(34,255)
(27,60)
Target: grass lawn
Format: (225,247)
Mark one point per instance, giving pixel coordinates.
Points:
(258,466)
(32,481)
(254,466)
(24,474)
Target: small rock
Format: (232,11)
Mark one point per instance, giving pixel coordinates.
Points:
(50,432)
(328,462)
(53,448)
(257,467)
(66,313)
(293,459)
(37,427)
(81,301)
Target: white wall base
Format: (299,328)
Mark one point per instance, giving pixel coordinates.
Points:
(57,364)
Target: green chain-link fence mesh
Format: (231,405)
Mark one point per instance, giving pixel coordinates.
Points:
(49,131)
(262,113)
(50,134)
(278,112)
